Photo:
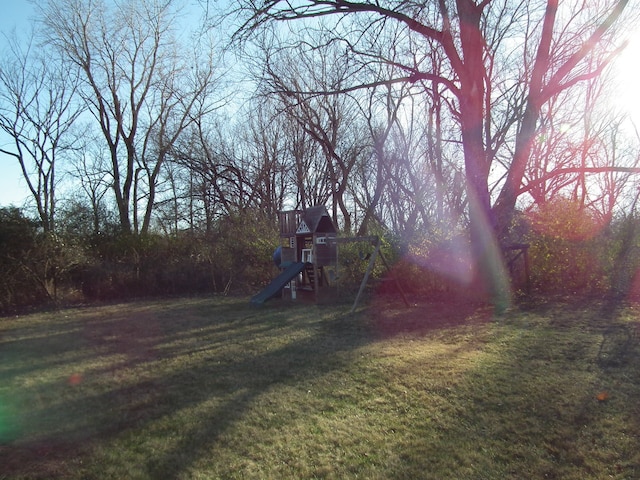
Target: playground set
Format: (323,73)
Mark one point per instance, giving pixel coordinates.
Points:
(308,257)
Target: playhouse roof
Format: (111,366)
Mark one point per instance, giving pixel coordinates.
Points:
(316,220)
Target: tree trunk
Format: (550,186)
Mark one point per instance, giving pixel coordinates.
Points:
(505,206)
(490,273)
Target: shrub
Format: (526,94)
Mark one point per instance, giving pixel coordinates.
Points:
(242,245)
(568,251)
(18,235)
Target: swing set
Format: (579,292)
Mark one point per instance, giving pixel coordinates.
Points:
(308,257)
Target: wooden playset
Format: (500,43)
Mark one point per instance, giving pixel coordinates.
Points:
(308,256)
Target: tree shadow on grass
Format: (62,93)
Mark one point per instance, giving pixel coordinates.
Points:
(151,367)
(534,407)
(166,387)
(428,317)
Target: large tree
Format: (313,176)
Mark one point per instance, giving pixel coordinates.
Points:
(37,112)
(140,84)
(503,62)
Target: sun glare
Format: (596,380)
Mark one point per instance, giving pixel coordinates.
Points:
(627,78)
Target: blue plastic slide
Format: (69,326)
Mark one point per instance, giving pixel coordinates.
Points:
(278,283)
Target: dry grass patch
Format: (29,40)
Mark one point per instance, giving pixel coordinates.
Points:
(214,388)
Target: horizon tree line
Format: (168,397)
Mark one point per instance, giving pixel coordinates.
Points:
(423,119)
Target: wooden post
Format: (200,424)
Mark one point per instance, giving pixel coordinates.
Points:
(372,262)
(526,269)
(395,279)
(523,251)
(316,287)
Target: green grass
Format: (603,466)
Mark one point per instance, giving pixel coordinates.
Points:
(214,388)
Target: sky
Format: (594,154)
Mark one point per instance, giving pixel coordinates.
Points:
(13,191)
(628,72)
(16,14)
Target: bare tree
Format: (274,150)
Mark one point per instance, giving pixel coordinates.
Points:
(559,47)
(310,183)
(561,62)
(581,152)
(331,121)
(267,159)
(135,84)
(91,171)
(233,168)
(37,111)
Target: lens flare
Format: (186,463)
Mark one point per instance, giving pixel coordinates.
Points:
(451,259)
(75,379)
(8,421)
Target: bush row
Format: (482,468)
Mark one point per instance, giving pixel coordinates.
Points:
(37,268)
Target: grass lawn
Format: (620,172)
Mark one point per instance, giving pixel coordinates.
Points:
(214,388)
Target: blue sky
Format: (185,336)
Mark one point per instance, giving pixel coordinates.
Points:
(14,15)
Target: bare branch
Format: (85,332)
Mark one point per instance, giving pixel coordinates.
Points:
(576,170)
(553,85)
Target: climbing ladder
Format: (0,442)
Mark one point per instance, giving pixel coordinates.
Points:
(310,275)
